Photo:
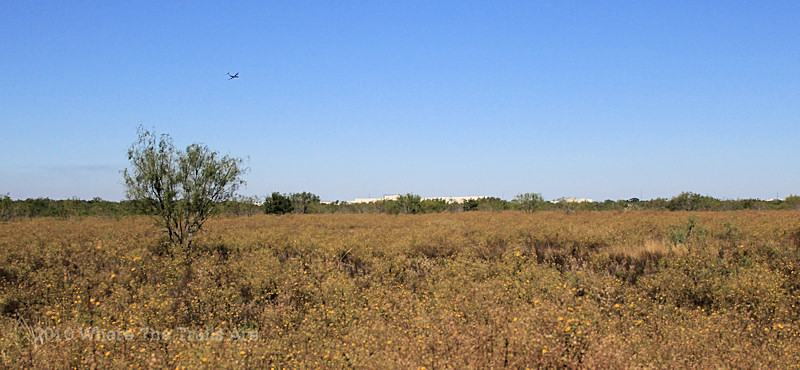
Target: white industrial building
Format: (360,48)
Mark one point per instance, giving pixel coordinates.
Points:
(395,196)
(572,200)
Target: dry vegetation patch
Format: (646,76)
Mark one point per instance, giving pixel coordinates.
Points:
(547,289)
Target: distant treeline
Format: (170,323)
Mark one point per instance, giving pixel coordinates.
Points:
(67,208)
(687,201)
(305,202)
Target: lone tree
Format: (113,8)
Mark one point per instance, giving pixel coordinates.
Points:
(180,189)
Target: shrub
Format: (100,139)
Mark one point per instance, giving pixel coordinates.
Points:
(278,204)
(181,188)
(688,201)
(528,202)
(409,203)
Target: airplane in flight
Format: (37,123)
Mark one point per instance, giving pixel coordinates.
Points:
(233,76)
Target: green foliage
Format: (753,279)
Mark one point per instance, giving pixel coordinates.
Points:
(731,233)
(409,203)
(656,204)
(679,235)
(302,201)
(688,201)
(528,202)
(37,207)
(246,206)
(471,205)
(493,204)
(6,207)
(434,206)
(486,204)
(566,205)
(790,202)
(240,206)
(386,206)
(181,189)
(278,204)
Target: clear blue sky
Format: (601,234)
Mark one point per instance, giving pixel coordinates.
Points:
(597,99)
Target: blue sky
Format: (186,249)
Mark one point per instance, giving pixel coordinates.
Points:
(596,99)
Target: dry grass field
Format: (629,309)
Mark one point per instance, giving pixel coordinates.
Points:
(472,289)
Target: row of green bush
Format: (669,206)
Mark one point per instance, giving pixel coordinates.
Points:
(305,202)
(530,202)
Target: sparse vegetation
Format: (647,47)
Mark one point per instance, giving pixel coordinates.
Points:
(469,289)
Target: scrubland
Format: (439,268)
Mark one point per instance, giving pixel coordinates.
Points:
(472,289)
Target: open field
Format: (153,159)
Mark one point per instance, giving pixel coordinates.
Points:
(474,289)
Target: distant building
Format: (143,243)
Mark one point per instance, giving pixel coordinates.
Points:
(572,200)
(396,196)
(458,199)
(373,200)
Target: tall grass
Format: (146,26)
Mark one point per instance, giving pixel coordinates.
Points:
(593,289)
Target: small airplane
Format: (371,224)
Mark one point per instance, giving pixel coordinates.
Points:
(233,76)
